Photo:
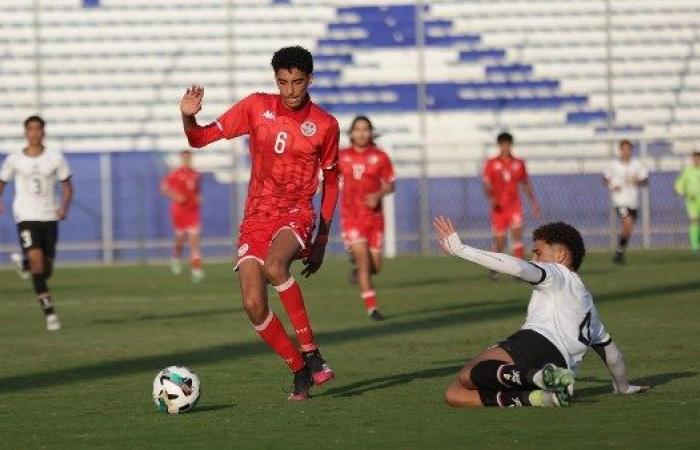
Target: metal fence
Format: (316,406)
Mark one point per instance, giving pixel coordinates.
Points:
(118,213)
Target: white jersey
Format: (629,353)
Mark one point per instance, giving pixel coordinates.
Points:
(35,183)
(562,310)
(622,177)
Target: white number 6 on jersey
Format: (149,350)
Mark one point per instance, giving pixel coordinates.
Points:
(280,142)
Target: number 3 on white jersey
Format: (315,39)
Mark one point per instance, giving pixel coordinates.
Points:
(280,142)
(26,237)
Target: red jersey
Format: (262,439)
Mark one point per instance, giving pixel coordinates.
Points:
(287,149)
(504,175)
(185,183)
(362,174)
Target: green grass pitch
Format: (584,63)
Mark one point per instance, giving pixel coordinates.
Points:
(88,386)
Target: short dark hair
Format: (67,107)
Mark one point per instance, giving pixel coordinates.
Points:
(696,153)
(504,137)
(563,234)
(295,57)
(36,119)
(626,142)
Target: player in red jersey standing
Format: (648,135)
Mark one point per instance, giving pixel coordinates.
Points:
(367,176)
(181,186)
(291,139)
(502,177)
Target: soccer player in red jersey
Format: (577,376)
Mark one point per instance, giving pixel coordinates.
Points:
(181,186)
(502,177)
(367,176)
(291,140)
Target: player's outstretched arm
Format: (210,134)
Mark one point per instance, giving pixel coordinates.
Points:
(451,244)
(615,362)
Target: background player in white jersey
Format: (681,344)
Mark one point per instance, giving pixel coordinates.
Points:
(36,170)
(623,177)
(535,366)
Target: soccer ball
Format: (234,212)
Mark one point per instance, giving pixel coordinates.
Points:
(176,390)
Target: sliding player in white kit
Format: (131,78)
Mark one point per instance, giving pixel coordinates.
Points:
(536,365)
(36,170)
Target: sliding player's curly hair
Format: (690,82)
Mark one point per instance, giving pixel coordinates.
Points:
(563,234)
(296,57)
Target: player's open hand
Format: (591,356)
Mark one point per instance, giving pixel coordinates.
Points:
(315,259)
(444,229)
(191,102)
(536,211)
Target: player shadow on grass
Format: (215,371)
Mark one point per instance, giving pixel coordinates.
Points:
(380,383)
(150,316)
(499,310)
(654,381)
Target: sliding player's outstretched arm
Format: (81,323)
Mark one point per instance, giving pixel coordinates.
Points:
(509,265)
(614,360)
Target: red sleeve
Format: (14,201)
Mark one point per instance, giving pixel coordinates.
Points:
(329,153)
(168,180)
(329,164)
(230,124)
(387,170)
(523,171)
(488,172)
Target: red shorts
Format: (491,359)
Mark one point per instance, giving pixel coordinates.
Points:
(256,235)
(370,230)
(508,216)
(186,221)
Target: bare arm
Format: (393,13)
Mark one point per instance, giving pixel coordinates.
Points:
(374,198)
(509,265)
(168,193)
(527,186)
(66,197)
(615,362)
(2,189)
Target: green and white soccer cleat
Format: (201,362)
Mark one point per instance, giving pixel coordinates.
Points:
(176,266)
(555,379)
(197,276)
(546,399)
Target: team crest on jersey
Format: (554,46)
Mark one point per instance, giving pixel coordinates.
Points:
(242,250)
(269,115)
(308,128)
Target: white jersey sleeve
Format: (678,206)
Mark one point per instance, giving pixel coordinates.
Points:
(63,170)
(642,171)
(7,171)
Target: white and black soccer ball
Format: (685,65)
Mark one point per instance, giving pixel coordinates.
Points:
(176,390)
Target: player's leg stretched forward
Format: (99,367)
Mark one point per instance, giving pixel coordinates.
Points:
(494,379)
(284,249)
(366,267)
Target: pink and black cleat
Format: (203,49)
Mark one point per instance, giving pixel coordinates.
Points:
(301,386)
(321,372)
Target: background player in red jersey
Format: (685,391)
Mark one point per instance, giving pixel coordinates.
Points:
(367,176)
(181,186)
(502,176)
(291,139)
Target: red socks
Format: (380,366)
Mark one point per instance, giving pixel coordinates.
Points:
(370,298)
(518,249)
(293,302)
(273,333)
(196,263)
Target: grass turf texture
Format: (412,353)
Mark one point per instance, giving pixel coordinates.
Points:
(89,385)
